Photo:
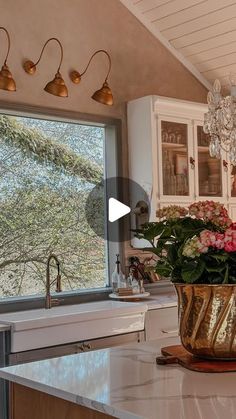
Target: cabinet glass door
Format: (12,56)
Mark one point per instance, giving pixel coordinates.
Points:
(209,168)
(175,174)
(233,181)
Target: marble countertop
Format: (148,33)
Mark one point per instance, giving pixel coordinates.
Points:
(156,301)
(126,383)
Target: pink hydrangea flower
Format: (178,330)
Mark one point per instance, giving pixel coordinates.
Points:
(230,246)
(212,238)
(230,239)
(172,212)
(211,211)
(219,243)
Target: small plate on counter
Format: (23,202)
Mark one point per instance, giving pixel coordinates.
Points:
(130,297)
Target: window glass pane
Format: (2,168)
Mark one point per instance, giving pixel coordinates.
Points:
(174,158)
(47,169)
(209,168)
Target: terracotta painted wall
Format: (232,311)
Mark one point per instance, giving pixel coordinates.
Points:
(141,65)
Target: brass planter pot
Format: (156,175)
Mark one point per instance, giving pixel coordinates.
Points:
(207,320)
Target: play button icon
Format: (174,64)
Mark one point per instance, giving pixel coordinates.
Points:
(111,208)
(117,210)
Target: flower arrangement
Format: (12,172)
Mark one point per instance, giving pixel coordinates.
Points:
(193,245)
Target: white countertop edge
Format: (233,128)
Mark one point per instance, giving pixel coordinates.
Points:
(73,398)
(19,324)
(155,305)
(38,386)
(153,302)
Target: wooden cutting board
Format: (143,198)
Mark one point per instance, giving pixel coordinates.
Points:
(178,355)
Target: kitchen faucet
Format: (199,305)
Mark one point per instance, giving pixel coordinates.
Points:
(49,301)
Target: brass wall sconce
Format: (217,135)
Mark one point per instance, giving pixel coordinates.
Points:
(57,86)
(104,94)
(6,80)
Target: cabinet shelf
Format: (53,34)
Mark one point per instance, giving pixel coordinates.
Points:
(174,146)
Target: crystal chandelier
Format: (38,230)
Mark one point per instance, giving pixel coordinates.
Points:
(220,122)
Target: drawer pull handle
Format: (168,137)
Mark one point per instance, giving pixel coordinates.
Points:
(225,165)
(87,346)
(170,332)
(192,162)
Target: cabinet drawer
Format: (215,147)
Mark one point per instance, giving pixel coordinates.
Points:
(161,323)
(74,348)
(111,341)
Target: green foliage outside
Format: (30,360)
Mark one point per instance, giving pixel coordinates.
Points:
(46,172)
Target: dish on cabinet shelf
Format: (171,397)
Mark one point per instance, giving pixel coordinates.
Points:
(173,145)
(203,148)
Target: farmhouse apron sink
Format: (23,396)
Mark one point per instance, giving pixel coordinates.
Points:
(43,328)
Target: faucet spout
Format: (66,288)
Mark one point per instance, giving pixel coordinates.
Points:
(49,301)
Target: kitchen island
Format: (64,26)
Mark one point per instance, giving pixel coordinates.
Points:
(122,382)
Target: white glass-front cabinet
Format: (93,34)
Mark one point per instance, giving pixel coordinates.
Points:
(169,156)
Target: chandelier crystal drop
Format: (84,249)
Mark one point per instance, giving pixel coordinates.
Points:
(220,122)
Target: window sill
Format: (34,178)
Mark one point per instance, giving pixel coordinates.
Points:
(73,297)
(32,302)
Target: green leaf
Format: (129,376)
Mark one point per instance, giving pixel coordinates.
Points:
(220,257)
(163,269)
(216,268)
(232,256)
(172,254)
(192,270)
(167,232)
(216,280)
(155,250)
(232,279)
(226,277)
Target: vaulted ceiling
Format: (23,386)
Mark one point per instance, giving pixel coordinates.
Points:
(200,33)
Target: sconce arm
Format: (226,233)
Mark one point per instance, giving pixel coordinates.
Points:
(29,65)
(9,43)
(91,58)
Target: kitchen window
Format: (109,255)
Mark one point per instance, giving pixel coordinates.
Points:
(47,169)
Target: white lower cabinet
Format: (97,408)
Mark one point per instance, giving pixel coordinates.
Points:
(160,323)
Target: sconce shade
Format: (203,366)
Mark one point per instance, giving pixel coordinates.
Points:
(104,95)
(6,80)
(57,86)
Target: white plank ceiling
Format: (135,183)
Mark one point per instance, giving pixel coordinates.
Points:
(200,33)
